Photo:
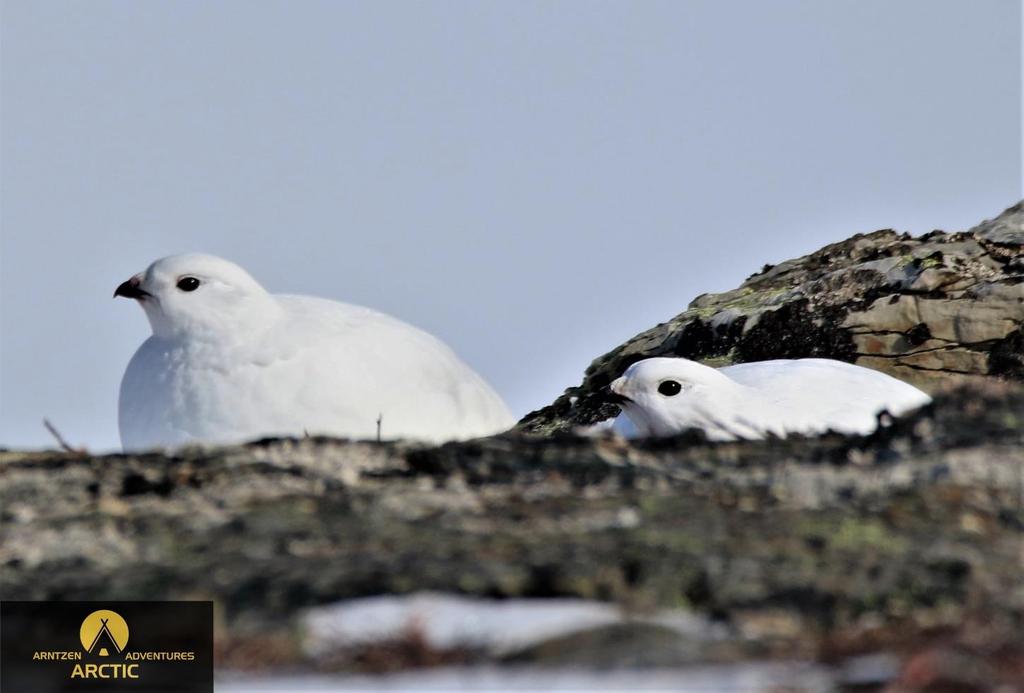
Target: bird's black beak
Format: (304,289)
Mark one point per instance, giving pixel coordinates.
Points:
(131,289)
(615,397)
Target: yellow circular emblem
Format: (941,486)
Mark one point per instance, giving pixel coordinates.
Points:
(104,633)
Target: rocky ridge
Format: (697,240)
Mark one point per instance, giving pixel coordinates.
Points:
(828,547)
(933,310)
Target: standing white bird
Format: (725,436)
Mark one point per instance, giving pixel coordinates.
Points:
(228,362)
(663,396)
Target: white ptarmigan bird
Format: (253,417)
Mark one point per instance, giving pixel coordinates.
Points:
(229,362)
(663,396)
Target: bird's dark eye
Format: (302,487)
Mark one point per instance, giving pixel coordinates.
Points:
(669,388)
(188,283)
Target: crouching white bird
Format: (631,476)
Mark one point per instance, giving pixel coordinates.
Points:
(663,396)
(229,362)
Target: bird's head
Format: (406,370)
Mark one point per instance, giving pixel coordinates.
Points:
(198,295)
(657,394)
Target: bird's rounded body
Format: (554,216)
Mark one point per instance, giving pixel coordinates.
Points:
(301,365)
(755,400)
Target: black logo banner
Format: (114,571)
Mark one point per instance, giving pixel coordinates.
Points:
(164,647)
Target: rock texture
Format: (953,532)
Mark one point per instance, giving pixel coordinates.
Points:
(941,308)
(820,547)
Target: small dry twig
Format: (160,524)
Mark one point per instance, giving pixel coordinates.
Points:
(63,443)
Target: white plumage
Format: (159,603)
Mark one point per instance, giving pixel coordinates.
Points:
(229,362)
(663,396)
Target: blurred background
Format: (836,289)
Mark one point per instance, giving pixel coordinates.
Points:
(534,182)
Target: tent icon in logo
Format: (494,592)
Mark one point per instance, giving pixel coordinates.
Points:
(103,633)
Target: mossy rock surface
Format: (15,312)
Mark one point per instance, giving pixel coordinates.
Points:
(921,523)
(932,310)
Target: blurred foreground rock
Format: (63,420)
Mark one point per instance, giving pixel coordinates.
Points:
(826,548)
(940,308)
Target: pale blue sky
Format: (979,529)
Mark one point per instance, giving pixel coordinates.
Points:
(532,181)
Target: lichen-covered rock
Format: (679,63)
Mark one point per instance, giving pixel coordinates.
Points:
(933,310)
(795,546)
